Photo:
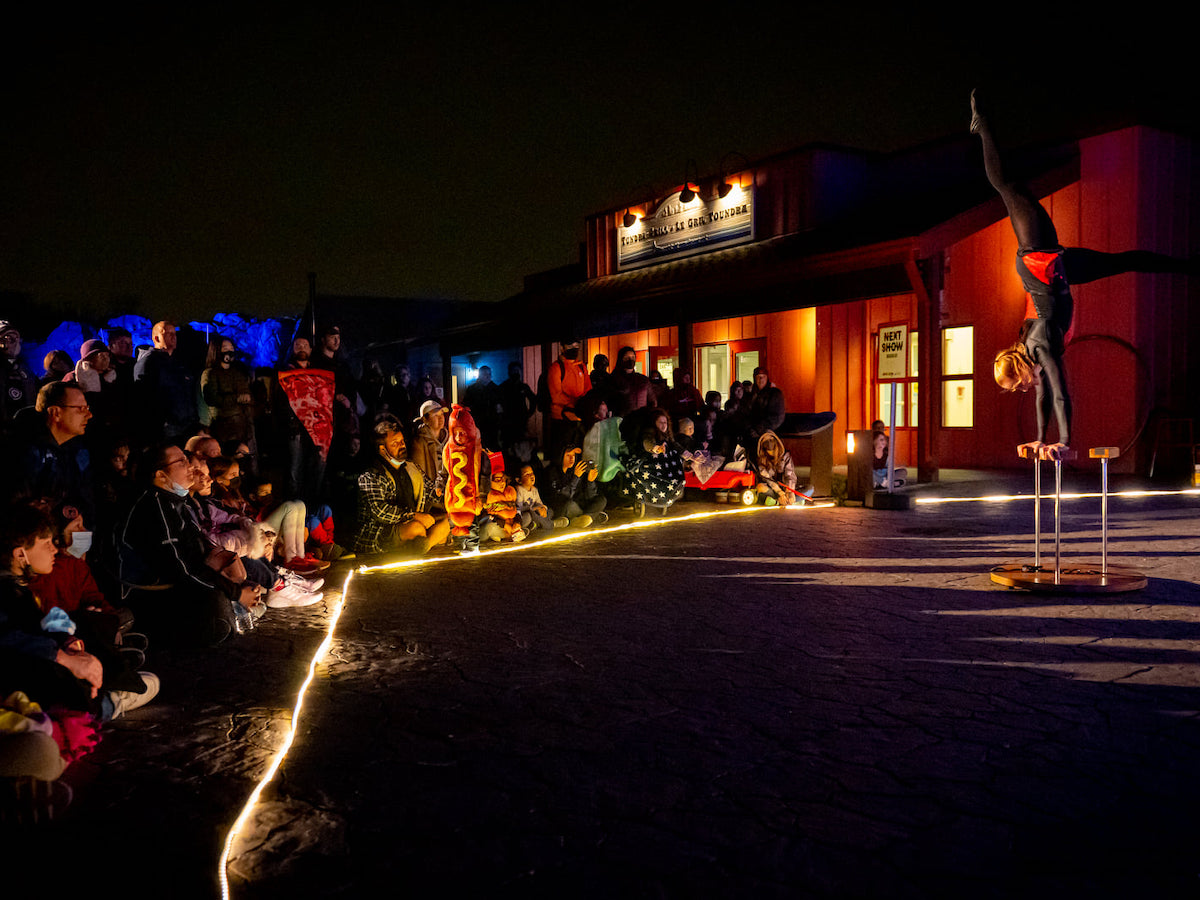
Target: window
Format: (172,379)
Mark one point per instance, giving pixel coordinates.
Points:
(906,392)
(958,393)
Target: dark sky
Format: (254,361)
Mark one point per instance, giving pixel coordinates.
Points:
(203,162)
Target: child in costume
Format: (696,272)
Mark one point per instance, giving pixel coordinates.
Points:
(461,456)
(501,504)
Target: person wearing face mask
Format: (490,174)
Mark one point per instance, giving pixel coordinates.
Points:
(567,381)
(393,496)
(33,634)
(628,389)
(225,385)
(71,587)
(160,545)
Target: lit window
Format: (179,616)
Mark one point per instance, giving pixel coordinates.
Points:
(958,394)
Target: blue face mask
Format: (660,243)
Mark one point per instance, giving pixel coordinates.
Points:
(81,543)
(178,490)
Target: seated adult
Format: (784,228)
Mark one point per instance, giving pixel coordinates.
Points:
(655,465)
(393,496)
(776,473)
(879,461)
(572,489)
(50,458)
(161,545)
(252,542)
(429,441)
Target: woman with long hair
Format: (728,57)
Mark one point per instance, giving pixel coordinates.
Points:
(1047,269)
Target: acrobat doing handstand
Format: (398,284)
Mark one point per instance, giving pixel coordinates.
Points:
(1047,269)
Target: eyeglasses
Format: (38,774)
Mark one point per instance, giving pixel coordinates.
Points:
(74,406)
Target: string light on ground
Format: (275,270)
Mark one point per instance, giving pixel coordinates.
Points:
(277,760)
(1001,498)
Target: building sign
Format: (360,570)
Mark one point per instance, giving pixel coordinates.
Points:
(676,229)
(893,352)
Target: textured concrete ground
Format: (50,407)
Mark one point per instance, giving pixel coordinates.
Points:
(829,703)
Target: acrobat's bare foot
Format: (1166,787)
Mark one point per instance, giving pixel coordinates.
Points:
(976,116)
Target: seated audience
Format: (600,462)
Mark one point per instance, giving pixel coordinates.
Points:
(394,495)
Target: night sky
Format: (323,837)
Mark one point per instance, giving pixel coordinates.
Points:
(200,163)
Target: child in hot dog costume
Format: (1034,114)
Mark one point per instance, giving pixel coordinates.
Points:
(502,503)
(461,457)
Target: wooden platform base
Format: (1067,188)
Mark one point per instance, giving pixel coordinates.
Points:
(1076,578)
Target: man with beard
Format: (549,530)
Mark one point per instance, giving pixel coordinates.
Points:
(393,495)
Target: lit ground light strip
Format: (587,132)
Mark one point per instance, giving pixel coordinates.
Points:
(277,760)
(999,498)
(240,823)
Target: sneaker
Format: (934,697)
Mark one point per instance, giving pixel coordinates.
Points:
(124,701)
(582,521)
(305,565)
(518,536)
(600,518)
(287,576)
(290,595)
(562,522)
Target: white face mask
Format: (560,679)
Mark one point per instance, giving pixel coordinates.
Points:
(81,543)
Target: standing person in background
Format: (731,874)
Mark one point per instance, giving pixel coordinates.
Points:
(567,381)
(628,389)
(167,390)
(16,380)
(225,385)
(483,398)
(346,407)
(766,409)
(518,403)
(303,409)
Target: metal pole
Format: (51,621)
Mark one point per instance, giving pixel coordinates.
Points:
(891,459)
(1037,514)
(1057,519)
(1104,516)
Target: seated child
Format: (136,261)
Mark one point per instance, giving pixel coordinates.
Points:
(529,504)
(501,504)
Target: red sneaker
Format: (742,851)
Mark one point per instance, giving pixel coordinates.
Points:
(306,565)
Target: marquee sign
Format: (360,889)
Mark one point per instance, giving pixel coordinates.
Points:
(676,229)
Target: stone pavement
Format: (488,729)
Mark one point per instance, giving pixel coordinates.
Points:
(827,703)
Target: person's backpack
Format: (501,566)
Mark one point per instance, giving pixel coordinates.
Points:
(543,388)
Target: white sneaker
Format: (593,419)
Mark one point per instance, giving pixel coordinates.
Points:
(291,595)
(305,584)
(124,701)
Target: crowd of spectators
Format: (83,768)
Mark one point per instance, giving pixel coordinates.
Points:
(149,504)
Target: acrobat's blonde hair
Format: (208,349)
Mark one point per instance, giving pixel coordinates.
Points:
(1014,366)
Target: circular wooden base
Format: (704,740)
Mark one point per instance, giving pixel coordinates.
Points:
(1077,578)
